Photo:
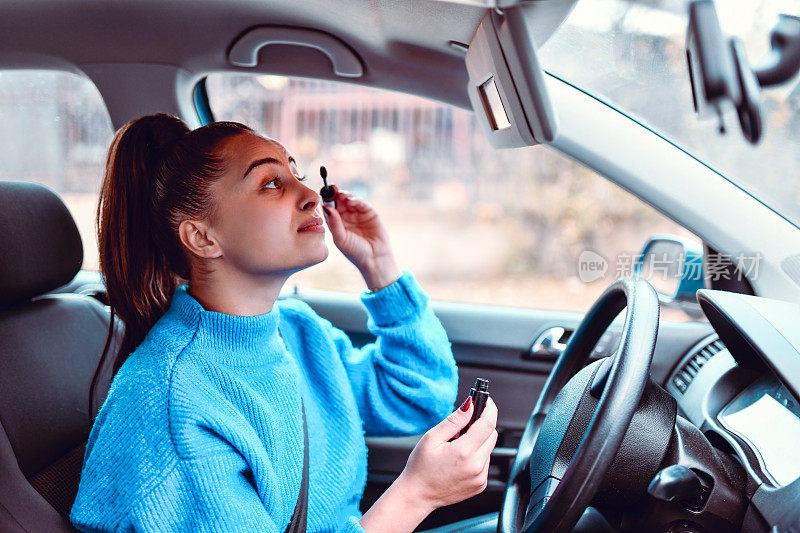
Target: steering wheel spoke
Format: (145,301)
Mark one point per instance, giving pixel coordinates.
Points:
(539,498)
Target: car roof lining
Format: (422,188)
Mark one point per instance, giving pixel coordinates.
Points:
(404,44)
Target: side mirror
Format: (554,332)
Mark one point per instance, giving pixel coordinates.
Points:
(673,265)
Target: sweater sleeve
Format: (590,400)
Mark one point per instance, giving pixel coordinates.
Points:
(352,525)
(212,494)
(407,380)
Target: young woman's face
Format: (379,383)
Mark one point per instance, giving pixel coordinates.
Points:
(260,206)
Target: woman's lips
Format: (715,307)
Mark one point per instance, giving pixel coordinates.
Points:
(314,226)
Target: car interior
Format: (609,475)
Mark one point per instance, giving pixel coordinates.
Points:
(610,419)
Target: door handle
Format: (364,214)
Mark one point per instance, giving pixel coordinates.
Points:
(549,344)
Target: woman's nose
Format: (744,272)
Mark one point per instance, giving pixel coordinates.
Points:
(310,199)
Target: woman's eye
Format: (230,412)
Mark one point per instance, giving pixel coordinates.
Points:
(274,183)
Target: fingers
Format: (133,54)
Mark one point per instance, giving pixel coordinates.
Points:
(488,462)
(485,470)
(485,450)
(482,429)
(484,454)
(334,221)
(487,447)
(450,426)
(345,200)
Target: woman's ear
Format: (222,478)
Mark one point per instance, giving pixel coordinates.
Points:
(199,239)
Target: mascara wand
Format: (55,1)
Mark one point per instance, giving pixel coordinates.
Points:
(328,192)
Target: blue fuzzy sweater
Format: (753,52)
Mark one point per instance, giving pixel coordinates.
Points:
(202,429)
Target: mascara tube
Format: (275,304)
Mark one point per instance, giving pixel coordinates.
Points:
(328,192)
(479,394)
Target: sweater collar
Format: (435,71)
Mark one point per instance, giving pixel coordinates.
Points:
(231,339)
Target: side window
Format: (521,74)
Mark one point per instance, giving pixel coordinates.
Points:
(56,131)
(474,224)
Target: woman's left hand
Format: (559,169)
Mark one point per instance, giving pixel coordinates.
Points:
(358,232)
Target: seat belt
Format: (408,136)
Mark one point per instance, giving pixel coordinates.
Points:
(298,522)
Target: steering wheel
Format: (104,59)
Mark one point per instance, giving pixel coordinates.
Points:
(571,438)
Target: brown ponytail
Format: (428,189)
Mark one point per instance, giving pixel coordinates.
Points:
(158,173)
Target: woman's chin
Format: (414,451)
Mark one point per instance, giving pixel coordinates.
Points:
(324,252)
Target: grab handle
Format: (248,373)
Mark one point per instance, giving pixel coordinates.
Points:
(244,52)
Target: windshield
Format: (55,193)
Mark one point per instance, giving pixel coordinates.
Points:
(632,56)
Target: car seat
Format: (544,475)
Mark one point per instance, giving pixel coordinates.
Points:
(50,348)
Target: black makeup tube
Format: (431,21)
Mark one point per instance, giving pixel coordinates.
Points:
(328,192)
(479,394)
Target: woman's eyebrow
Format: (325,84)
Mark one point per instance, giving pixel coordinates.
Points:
(263,161)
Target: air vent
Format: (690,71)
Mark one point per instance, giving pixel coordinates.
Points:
(694,363)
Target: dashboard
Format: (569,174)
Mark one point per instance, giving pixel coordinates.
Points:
(740,387)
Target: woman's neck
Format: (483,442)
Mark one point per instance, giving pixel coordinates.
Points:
(237,294)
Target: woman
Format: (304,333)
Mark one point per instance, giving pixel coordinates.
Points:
(203,426)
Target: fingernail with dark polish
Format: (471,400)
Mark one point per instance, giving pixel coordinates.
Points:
(465,406)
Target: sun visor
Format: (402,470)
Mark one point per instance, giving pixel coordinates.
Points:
(506,83)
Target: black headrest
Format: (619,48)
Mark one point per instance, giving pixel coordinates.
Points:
(39,242)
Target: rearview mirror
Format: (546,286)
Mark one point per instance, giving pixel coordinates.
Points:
(719,72)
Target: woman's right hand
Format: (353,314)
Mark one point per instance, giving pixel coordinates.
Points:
(443,472)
